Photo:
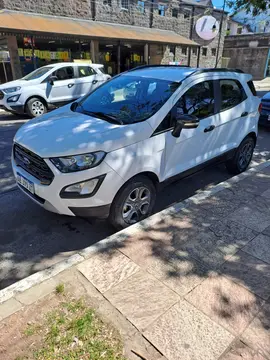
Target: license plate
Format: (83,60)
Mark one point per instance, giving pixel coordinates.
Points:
(25,183)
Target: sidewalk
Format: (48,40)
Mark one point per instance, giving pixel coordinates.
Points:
(189,283)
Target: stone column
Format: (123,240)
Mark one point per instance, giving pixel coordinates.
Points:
(94,49)
(14,57)
(146,54)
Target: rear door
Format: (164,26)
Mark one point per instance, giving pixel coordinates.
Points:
(64,88)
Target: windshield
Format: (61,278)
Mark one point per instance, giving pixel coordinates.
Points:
(128,99)
(37,73)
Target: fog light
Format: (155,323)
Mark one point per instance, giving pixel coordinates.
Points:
(82,189)
(13,98)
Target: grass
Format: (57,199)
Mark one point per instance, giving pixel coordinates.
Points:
(60,289)
(73,331)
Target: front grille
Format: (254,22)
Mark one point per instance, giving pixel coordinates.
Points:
(1,95)
(33,164)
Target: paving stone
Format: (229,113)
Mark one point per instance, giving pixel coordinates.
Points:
(256,184)
(242,352)
(184,333)
(225,302)
(219,206)
(266,193)
(141,298)
(257,335)
(267,231)
(249,272)
(259,247)
(9,307)
(251,218)
(37,292)
(105,271)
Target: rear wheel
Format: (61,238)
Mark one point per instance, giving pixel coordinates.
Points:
(134,202)
(36,107)
(242,156)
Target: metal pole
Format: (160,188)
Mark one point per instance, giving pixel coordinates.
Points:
(198,56)
(118,58)
(5,71)
(33,53)
(220,32)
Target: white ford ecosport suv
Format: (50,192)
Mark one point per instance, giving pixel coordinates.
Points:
(104,155)
(50,86)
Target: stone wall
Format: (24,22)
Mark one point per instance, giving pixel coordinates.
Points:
(70,8)
(248,53)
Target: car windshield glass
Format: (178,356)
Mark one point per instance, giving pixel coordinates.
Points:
(128,99)
(37,73)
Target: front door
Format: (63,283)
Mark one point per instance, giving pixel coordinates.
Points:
(64,88)
(88,80)
(193,147)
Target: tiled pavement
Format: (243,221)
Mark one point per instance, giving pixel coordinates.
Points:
(196,284)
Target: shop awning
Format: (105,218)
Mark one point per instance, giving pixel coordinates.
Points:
(26,23)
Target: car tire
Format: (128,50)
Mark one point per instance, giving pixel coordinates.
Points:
(242,156)
(133,202)
(36,107)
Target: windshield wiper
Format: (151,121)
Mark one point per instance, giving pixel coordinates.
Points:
(103,116)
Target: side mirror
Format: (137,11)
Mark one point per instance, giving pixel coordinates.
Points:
(185,122)
(52,79)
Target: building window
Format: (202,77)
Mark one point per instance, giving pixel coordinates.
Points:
(214,52)
(125,4)
(239,30)
(172,51)
(174,13)
(161,10)
(204,51)
(186,15)
(140,6)
(194,51)
(184,50)
(107,2)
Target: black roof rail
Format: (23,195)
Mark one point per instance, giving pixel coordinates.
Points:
(200,71)
(165,65)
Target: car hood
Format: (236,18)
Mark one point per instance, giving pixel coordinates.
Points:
(64,132)
(13,83)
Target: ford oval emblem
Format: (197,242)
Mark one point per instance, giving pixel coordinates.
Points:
(26,161)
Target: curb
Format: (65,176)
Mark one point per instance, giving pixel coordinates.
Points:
(120,236)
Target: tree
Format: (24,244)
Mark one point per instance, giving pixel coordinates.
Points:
(254,6)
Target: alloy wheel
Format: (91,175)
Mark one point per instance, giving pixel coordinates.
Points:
(136,205)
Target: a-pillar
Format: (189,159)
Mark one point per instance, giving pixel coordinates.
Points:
(146,54)
(94,49)
(14,57)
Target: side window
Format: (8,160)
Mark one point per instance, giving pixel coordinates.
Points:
(199,101)
(64,73)
(86,71)
(232,93)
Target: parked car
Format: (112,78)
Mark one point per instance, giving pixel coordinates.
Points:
(49,87)
(264,119)
(105,155)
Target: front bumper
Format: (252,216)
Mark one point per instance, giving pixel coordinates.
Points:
(48,196)
(17,106)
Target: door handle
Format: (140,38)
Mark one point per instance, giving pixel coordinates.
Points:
(94,82)
(70,85)
(245,113)
(209,128)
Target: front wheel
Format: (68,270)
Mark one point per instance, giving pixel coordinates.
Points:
(36,107)
(134,202)
(242,157)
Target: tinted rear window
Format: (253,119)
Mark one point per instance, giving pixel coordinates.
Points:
(252,88)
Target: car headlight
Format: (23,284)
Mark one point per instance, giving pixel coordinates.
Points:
(78,162)
(82,189)
(11,90)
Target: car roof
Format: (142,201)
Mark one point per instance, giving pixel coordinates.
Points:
(178,73)
(57,65)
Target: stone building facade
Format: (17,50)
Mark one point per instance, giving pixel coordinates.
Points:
(250,53)
(179,16)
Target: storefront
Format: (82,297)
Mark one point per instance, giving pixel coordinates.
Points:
(36,41)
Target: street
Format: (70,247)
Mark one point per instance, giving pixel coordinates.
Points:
(32,239)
